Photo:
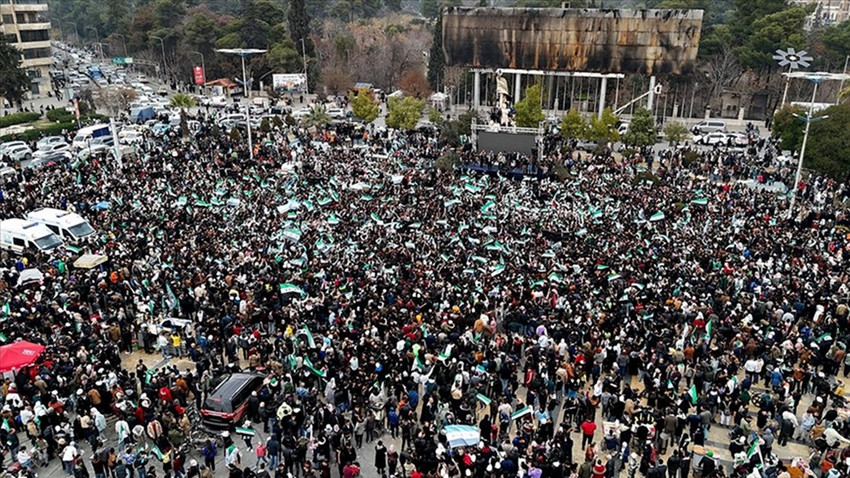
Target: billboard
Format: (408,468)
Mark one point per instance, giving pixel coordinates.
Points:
(524,143)
(572,39)
(289,82)
(198,73)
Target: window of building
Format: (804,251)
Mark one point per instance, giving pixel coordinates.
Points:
(11,38)
(8,19)
(34,73)
(34,35)
(34,53)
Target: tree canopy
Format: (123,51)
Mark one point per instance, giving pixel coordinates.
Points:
(14,82)
(404,113)
(529,113)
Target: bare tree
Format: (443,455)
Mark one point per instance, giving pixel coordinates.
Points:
(115,100)
(722,70)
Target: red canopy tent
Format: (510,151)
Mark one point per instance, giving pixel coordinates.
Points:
(19,354)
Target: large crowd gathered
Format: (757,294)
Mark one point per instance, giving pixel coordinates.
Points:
(592,323)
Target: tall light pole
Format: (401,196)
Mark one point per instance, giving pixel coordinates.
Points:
(162,44)
(304,58)
(76,34)
(815,78)
(242,53)
(123,42)
(203,68)
(100,47)
(793,60)
(96,37)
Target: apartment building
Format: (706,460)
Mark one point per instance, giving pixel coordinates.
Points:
(25,25)
(826,12)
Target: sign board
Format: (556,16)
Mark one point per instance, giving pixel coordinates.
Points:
(289,82)
(198,73)
(122,60)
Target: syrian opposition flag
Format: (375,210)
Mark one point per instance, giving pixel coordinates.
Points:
(291,289)
(488,206)
(310,341)
(376,218)
(526,410)
(309,365)
(613,276)
(333,220)
(483,399)
(692,392)
(245,431)
(156,451)
(292,234)
(700,201)
(447,353)
(462,435)
(497,269)
(555,277)
(657,216)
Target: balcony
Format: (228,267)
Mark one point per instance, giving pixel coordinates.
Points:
(30,7)
(36,62)
(33,26)
(28,45)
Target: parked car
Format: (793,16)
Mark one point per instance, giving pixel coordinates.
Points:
(19,153)
(336,113)
(584,145)
(709,126)
(51,149)
(6,147)
(218,101)
(711,138)
(50,140)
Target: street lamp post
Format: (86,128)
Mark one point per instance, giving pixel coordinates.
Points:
(123,42)
(793,60)
(203,69)
(242,53)
(100,48)
(304,58)
(76,34)
(162,44)
(815,78)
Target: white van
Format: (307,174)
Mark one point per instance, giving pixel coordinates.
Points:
(85,135)
(69,226)
(18,235)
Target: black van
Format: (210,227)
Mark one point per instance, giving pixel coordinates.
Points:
(226,404)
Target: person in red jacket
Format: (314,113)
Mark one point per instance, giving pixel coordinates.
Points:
(588,428)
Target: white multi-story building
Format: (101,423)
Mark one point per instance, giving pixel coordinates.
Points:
(827,12)
(25,25)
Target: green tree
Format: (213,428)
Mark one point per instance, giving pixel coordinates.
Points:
(529,113)
(436,59)
(317,117)
(464,122)
(299,25)
(430,8)
(434,116)
(283,56)
(781,29)
(182,101)
(788,128)
(641,131)
(265,126)
(675,133)
(14,82)
(828,147)
(836,40)
(604,129)
(573,125)
(364,106)
(404,113)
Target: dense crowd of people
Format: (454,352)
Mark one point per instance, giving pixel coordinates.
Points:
(386,299)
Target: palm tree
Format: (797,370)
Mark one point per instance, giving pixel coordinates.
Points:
(317,117)
(182,101)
